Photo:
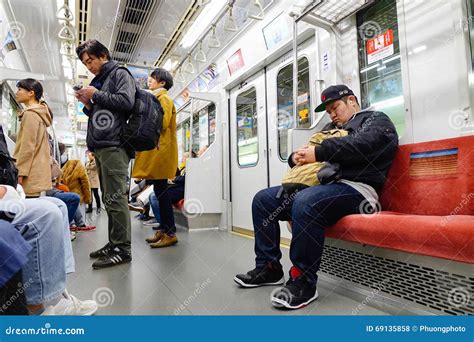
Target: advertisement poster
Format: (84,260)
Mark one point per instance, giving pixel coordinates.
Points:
(140,75)
(276,32)
(235,62)
(380,47)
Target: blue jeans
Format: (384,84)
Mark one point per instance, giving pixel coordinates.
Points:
(155,206)
(43,222)
(311,210)
(72,202)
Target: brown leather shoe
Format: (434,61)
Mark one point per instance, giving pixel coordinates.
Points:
(155,238)
(165,241)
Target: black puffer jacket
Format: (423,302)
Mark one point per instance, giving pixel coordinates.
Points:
(112,106)
(365,155)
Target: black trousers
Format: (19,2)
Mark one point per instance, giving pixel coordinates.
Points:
(166,209)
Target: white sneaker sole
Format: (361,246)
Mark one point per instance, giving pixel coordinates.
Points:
(241,283)
(279,303)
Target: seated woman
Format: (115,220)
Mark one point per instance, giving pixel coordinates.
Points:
(43,223)
(76,179)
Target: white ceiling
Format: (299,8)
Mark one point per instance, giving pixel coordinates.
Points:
(40,45)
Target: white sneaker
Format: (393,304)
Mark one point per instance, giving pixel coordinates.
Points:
(71,306)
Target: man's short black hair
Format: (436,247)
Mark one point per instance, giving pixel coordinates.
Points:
(93,48)
(160,74)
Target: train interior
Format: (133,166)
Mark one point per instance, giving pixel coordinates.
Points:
(248,75)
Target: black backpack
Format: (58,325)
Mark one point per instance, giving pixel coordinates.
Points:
(143,128)
(8,170)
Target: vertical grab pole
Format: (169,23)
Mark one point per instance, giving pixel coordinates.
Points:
(191,129)
(295,72)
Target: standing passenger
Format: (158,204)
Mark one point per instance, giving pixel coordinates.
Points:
(108,102)
(94,181)
(160,164)
(32,152)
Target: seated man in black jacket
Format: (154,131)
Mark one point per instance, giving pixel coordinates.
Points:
(363,157)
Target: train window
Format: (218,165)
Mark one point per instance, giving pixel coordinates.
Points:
(195,134)
(204,125)
(285,103)
(185,138)
(379,61)
(471,25)
(179,140)
(247,138)
(212,122)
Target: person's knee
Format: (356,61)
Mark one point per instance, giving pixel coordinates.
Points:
(259,198)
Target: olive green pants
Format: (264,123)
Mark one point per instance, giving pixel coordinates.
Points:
(112,167)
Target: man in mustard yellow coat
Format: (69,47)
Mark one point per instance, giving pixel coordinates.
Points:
(160,164)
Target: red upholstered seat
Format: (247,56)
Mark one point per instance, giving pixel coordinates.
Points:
(179,205)
(429,203)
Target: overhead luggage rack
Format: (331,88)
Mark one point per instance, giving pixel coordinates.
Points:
(332,11)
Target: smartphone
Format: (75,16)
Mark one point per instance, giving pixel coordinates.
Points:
(77,87)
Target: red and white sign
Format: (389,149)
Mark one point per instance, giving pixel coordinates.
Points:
(380,47)
(235,62)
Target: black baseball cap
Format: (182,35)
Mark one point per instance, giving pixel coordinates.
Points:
(333,93)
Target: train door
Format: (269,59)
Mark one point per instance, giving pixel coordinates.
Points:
(280,106)
(280,110)
(248,141)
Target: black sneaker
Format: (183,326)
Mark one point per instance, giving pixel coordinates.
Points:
(101,252)
(115,257)
(297,292)
(272,274)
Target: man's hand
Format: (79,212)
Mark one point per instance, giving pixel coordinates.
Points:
(86,92)
(85,95)
(84,101)
(304,155)
(3,191)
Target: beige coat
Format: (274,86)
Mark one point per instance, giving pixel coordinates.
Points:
(32,151)
(75,178)
(91,168)
(161,163)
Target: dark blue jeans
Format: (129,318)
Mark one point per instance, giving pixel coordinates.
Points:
(160,187)
(311,210)
(71,199)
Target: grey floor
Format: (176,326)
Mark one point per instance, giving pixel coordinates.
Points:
(192,278)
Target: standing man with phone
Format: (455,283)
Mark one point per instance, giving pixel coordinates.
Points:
(108,102)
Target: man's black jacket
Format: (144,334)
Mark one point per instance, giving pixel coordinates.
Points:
(365,155)
(112,106)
